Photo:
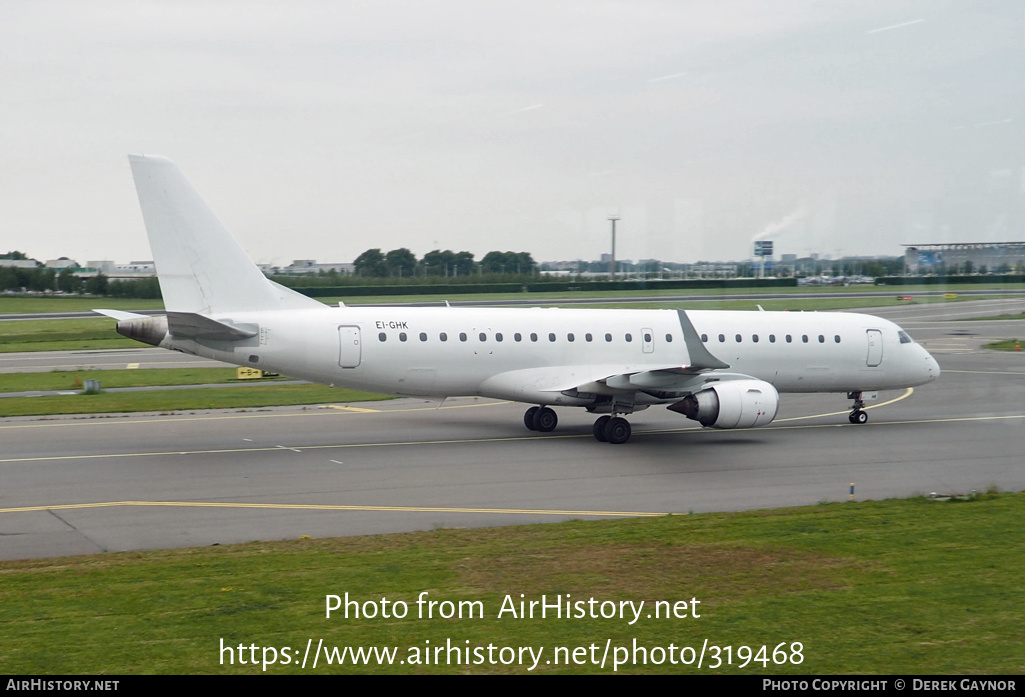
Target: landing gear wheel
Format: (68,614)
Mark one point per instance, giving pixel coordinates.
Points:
(617,430)
(528,418)
(858,417)
(545,420)
(599,428)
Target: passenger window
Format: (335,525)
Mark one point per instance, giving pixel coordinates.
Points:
(789,338)
(570,337)
(533,336)
(588,337)
(443,336)
(629,337)
(772,338)
(669,338)
(836,338)
(423,336)
(517,337)
(754,338)
(804,338)
(551,337)
(382,337)
(462,336)
(704,337)
(608,337)
(402,336)
(722,338)
(482,336)
(822,339)
(738,338)
(498,336)
(647,338)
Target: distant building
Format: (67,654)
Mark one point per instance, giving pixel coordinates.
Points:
(965,257)
(20,263)
(308,266)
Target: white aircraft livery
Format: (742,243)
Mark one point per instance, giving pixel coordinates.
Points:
(722,369)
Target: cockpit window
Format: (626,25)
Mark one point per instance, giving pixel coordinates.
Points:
(904,338)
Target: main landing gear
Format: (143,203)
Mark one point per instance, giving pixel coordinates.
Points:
(858,414)
(607,429)
(540,419)
(611,429)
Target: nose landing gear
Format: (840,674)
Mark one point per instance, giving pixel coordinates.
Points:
(858,414)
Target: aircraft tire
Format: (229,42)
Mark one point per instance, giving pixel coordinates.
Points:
(617,430)
(599,428)
(528,418)
(858,417)
(545,420)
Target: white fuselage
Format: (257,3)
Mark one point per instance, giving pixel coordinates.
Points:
(538,355)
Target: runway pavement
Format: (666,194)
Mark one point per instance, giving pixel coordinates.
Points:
(76,485)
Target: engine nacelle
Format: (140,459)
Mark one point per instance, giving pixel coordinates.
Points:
(731,404)
(148,330)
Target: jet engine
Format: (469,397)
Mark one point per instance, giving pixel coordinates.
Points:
(731,404)
(148,330)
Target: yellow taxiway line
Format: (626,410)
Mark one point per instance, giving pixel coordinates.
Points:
(105,419)
(330,507)
(910,391)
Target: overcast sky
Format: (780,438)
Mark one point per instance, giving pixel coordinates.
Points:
(320,129)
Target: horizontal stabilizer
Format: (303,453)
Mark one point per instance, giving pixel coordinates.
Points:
(189,325)
(119,314)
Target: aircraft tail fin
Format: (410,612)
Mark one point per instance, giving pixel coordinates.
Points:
(201,268)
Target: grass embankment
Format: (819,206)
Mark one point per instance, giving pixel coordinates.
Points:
(1009,345)
(994,318)
(253,393)
(26,305)
(178,400)
(899,587)
(62,335)
(151,377)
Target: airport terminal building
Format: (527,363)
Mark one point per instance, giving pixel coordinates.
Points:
(965,257)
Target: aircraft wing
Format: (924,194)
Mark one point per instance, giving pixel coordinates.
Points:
(579,380)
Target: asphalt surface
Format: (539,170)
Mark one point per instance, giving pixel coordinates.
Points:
(75,485)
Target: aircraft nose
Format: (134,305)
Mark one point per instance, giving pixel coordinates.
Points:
(932,368)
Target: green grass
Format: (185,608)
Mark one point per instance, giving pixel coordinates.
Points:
(74,379)
(991,318)
(262,395)
(1009,345)
(62,335)
(892,587)
(18,305)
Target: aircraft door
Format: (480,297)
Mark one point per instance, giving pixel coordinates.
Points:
(875,347)
(647,340)
(349,350)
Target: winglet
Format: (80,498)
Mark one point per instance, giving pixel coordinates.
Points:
(699,355)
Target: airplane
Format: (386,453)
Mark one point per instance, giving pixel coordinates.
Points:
(723,369)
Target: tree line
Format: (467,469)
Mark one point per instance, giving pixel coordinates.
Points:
(40,279)
(402,263)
